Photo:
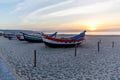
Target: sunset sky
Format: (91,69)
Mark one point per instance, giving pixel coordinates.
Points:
(92,15)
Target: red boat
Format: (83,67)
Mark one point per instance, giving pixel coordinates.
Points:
(64,42)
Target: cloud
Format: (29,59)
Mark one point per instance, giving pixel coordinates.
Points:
(25,5)
(29,5)
(37,12)
(94,8)
(98,7)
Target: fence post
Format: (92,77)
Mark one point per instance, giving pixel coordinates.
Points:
(113,43)
(100,41)
(98,46)
(75,50)
(35,58)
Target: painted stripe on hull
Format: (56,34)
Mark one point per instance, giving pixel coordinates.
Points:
(64,40)
(55,44)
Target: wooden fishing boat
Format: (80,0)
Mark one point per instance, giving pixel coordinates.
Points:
(35,39)
(20,37)
(12,37)
(64,42)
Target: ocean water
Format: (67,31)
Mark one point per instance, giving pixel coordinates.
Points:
(98,33)
(88,32)
(103,33)
(5,73)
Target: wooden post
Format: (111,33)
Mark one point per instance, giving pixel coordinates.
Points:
(98,46)
(100,41)
(75,50)
(113,44)
(35,58)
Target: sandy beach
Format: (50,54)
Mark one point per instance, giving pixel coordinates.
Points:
(5,73)
(60,63)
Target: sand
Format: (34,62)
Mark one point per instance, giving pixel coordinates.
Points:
(5,74)
(60,63)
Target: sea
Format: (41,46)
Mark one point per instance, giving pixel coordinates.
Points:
(87,33)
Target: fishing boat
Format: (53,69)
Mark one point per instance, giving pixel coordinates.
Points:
(20,37)
(35,39)
(12,37)
(64,42)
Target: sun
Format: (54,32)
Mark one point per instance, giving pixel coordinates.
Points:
(92,26)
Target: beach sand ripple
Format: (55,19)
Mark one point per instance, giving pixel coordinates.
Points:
(60,63)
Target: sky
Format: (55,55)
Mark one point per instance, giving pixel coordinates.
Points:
(72,15)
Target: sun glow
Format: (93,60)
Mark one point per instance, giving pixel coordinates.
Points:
(92,26)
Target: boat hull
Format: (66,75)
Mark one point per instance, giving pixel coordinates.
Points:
(60,44)
(53,45)
(33,39)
